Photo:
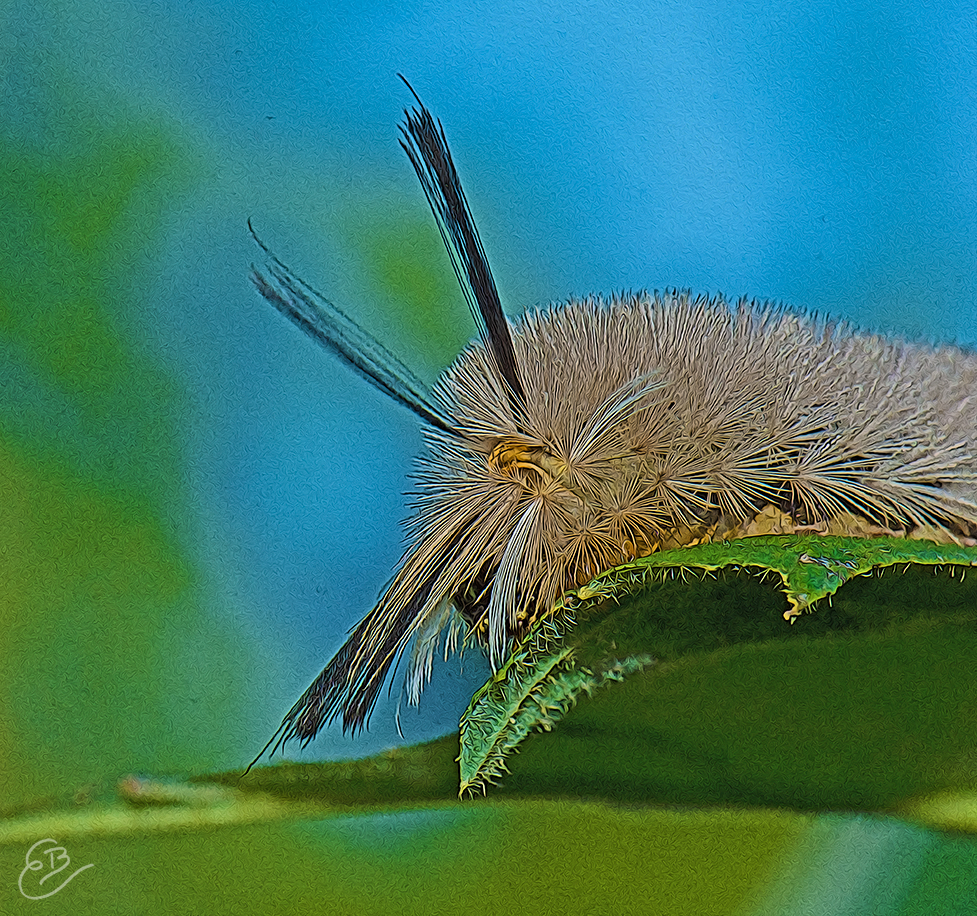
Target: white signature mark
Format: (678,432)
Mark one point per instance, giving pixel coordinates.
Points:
(59,861)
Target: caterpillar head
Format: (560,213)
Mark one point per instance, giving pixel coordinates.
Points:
(601,430)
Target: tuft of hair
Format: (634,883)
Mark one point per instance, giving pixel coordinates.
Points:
(647,422)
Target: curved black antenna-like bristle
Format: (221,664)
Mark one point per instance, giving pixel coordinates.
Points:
(350,684)
(424,142)
(332,329)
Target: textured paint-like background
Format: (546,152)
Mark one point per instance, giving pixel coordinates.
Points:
(195,503)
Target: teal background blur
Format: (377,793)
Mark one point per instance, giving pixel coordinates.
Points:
(195,503)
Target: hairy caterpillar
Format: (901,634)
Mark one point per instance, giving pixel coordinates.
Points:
(600,430)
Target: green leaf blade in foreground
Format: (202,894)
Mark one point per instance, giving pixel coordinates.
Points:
(535,696)
(811,567)
(542,678)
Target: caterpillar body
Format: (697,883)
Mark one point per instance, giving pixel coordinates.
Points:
(603,429)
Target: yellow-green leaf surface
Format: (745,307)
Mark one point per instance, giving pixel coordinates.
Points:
(487,858)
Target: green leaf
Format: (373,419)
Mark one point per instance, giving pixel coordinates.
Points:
(535,691)
(543,677)
(810,567)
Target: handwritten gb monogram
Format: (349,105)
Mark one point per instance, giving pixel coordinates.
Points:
(59,860)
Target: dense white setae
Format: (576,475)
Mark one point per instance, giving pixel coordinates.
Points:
(601,430)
